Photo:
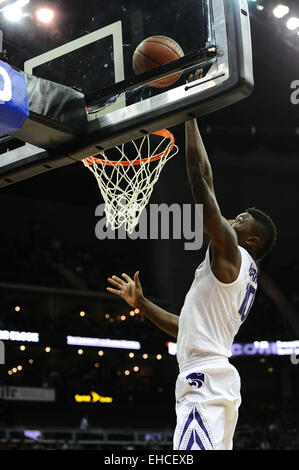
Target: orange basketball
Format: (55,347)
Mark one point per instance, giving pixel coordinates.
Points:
(153,52)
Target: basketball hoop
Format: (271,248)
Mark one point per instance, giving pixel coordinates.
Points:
(126,184)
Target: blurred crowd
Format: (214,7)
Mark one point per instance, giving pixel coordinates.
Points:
(263,425)
(54,264)
(268,425)
(69,445)
(39,259)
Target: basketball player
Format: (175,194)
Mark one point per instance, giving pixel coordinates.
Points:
(218,302)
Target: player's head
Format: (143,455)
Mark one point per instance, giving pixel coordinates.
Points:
(256,232)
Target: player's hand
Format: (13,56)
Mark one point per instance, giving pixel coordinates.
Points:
(198,74)
(129,289)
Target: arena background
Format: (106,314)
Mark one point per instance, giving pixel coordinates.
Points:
(53,268)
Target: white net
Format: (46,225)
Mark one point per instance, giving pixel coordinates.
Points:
(126,183)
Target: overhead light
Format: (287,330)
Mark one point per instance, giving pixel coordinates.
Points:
(21,3)
(280,11)
(45,15)
(8,3)
(293,23)
(13,13)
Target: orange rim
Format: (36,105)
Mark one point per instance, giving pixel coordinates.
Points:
(163,133)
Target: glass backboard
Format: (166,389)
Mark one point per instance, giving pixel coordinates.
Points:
(95,56)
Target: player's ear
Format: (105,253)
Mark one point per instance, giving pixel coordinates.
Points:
(253,240)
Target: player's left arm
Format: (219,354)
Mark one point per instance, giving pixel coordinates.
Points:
(226,259)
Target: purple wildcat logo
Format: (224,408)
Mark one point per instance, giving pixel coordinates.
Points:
(196,379)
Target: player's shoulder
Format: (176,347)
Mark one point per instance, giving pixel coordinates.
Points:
(246,255)
(249,263)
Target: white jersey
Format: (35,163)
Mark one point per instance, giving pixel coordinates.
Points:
(214,311)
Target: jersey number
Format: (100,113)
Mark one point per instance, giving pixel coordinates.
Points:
(247,302)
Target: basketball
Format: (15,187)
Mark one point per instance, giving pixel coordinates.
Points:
(153,52)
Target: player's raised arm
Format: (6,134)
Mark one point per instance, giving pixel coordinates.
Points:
(197,158)
(226,255)
(131,291)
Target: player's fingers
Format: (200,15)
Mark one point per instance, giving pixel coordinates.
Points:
(117,279)
(127,278)
(136,278)
(113,291)
(198,74)
(115,283)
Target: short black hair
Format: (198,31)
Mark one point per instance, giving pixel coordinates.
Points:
(269,232)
